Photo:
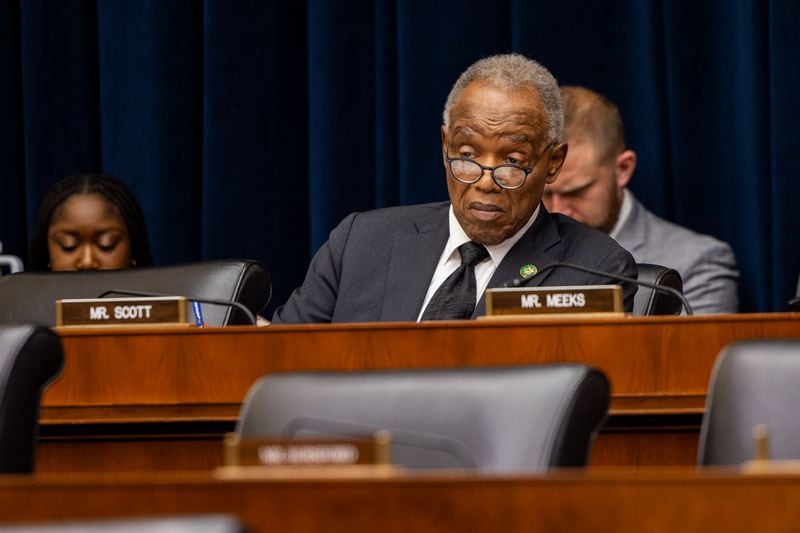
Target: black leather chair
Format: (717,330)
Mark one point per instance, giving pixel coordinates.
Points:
(30,357)
(11,262)
(31,296)
(794,303)
(216,523)
(753,382)
(527,418)
(652,302)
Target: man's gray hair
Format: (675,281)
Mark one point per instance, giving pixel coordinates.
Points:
(510,72)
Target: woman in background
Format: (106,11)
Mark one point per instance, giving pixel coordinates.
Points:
(89,222)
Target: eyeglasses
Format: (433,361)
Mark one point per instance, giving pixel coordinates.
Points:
(469,171)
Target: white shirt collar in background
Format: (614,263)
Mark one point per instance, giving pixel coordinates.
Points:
(624,213)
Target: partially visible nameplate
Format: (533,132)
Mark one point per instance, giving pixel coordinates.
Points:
(554,300)
(120,311)
(252,451)
(306,451)
(307,457)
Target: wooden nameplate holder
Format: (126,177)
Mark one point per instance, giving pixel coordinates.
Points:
(593,300)
(139,311)
(307,457)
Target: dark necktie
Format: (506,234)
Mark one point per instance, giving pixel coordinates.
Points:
(455,297)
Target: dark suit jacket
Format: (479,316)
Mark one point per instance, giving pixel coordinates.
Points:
(377,265)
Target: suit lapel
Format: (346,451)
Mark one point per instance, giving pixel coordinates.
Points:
(537,247)
(413,260)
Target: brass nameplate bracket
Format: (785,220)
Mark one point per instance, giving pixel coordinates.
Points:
(554,300)
(121,311)
(307,451)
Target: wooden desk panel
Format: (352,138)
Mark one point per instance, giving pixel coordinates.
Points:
(155,384)
(566,501)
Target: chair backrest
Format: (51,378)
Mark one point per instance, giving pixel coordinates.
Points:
(12,262)
(794,303)
(30,356)
(31,296)
(652,302)
(526,418)
(753,382)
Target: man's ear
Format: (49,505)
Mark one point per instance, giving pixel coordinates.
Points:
(625,165)
(556,161)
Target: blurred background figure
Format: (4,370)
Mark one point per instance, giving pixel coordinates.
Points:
(89,222)
(592,188)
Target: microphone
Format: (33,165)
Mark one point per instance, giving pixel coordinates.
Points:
(521,282)
(236,305)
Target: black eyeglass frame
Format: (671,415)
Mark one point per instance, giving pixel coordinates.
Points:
(483,168)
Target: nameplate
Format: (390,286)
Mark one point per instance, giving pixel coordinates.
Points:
(121,311)
(306,451)
(554,300)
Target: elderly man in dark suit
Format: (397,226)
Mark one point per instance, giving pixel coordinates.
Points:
(501,143)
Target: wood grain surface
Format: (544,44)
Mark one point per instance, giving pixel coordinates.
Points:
(147,386)
(621,501)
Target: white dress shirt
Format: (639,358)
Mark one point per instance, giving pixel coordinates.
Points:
(450,259)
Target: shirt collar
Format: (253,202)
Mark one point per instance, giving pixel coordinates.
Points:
(624,213)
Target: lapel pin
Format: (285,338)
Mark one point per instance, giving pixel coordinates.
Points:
(528,271)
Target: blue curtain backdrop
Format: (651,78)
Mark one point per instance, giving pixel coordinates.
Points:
(251,128)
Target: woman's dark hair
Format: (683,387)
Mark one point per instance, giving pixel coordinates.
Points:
(109,188)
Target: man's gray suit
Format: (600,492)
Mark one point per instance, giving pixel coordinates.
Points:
(707,265)
(377,265)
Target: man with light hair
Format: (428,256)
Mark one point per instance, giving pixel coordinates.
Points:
(501,142)
(592,189)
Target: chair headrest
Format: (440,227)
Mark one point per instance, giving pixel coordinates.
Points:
(511,418)
(651,302)
(31,296)
(30,357)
